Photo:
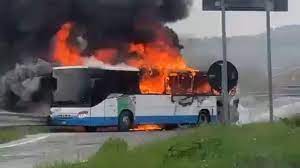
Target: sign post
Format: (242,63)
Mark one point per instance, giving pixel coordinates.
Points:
(245,5)
(269,7)
(226,111)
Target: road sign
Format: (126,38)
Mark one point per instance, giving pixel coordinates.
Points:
(245,5)
(214,74)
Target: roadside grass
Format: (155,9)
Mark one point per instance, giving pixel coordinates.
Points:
(13,133)
(212,146)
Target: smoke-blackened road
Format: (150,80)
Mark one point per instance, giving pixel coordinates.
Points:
(48,148)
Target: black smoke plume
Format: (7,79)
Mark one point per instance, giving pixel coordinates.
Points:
(27,28)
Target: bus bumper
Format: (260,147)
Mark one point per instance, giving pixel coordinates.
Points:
(74,121)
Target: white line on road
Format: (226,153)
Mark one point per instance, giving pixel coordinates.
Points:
(23,142)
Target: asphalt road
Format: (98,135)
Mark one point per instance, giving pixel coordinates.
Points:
(48,148)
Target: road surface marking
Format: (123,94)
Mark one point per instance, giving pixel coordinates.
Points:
(24,142)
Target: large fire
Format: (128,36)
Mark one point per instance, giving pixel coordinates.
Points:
(156,59)
(64,53)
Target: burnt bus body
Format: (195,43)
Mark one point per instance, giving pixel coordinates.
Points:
(80,91)
(86,87)
(93,97)
(192,84)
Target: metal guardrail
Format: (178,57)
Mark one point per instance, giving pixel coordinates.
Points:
(19,119)
(275,95)
(20,115)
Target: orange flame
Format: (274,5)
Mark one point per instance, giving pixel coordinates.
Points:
(156,59)
(149,127)
(63,52)
(106,55)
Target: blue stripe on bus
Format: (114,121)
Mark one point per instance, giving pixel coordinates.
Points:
(89,121)
(113,121)
(166,119)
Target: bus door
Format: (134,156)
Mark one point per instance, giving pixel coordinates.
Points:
(104,105)
(111,106)
(98,98)
(98,110)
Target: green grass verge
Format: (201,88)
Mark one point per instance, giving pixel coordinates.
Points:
(13,133)
(248,146)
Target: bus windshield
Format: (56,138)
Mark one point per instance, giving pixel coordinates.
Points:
(73,88)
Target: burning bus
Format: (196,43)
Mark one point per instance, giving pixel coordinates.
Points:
(114,96)
(119,33)
(132,82)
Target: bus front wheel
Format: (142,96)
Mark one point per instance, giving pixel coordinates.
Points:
(125,121)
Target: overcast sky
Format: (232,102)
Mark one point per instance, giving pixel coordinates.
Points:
(207,24)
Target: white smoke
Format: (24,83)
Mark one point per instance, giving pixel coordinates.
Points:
(257,111)
(20,83)
(95,63)
(91,61)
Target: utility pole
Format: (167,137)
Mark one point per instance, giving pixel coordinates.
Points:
(269,7)
(224,67)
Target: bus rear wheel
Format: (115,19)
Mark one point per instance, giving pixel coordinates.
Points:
(204,117)
(125,121)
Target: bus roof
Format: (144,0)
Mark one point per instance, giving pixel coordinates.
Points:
(106,67)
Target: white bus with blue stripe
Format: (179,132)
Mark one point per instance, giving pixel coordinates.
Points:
(95,97)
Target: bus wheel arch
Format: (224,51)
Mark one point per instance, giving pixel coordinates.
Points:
(204,116)
(126,120)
